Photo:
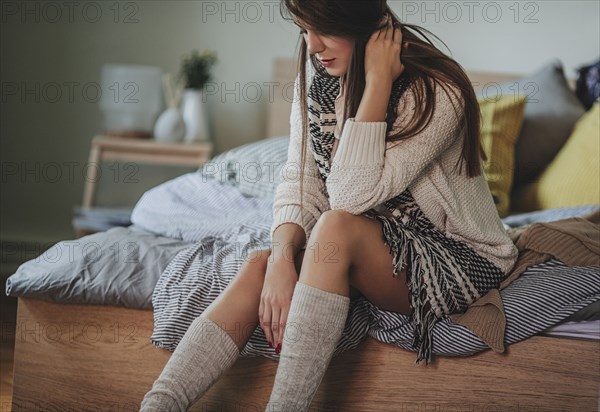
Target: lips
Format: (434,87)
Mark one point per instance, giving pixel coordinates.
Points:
(327,60)
(327,63)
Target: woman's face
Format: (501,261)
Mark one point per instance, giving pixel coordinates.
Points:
(333,52)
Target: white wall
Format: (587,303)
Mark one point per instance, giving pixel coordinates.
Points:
(42,47)
(510,36)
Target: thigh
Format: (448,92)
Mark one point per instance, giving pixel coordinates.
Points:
(245,288)
(237,307)
(256,262)
(372,269)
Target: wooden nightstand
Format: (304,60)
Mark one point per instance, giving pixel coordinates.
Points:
(106,148)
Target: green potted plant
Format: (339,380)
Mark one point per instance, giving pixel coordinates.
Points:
(196,70)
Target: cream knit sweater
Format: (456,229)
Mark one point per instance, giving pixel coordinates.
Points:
(366,171)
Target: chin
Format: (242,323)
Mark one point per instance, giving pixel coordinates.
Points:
(335,72)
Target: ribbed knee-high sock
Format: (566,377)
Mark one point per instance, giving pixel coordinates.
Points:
(204,353)
(315,324)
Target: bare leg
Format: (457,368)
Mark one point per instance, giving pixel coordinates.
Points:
(318,313)
(344,250)
(349,249)
(236,308)
(212,343)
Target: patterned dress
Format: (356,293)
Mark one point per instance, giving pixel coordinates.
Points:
(443,275)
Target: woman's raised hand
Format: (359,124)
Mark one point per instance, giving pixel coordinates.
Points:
(382,54)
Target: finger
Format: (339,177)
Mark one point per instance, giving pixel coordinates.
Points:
(261,309)
(389,28)
(398,35)
(275,325)
(374,36)
(283,323)
(383,22)
(379,33)
(266,323)
(383,28)
(263,319)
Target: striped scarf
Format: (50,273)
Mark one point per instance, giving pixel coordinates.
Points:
(322,117)
(451,274)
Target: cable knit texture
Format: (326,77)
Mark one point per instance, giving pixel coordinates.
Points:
(316,321)
(366,171)
(202,356)
(286,204)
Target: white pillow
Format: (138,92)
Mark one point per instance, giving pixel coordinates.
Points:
(254,167)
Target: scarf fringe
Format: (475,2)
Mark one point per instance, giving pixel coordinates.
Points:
(423,322)
(398,244)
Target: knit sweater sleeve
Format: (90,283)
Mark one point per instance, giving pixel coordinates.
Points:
(286,204)
(363,174)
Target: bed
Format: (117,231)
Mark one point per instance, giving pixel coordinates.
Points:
(98,354)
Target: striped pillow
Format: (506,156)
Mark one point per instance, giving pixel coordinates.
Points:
(254,167)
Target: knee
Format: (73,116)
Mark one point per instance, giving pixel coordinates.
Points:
(334,224)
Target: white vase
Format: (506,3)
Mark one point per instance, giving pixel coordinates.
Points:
(194,115)
(170,126)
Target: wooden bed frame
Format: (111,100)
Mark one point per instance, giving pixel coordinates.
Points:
(100,358)
(73,357)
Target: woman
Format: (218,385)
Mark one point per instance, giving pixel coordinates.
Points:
(384,208)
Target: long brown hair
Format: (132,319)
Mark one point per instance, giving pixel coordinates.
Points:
(425,67)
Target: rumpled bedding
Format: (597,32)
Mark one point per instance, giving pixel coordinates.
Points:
(195,206)
(225,226)
(119,267)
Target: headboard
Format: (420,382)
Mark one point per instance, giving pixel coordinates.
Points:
(284,74)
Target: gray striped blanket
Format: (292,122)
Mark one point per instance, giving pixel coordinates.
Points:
(226,225)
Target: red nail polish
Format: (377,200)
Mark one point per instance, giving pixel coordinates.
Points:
(270,344)
(278,348)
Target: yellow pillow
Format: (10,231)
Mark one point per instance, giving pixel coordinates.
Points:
(573,176)
(501,120)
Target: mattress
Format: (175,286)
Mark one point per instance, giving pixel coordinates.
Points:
(130,266)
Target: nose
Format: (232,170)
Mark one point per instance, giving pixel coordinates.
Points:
(314,43)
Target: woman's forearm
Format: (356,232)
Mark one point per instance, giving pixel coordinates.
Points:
(374,102)
(288,240)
